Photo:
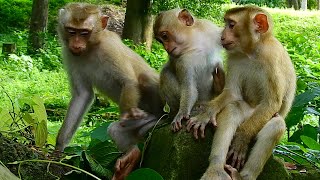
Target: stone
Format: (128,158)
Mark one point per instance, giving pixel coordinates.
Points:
(179,156)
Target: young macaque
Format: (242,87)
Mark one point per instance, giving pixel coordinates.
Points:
(193,74)
(96,58)
(259,90)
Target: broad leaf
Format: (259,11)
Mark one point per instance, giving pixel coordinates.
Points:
(144,174)
(100,133)
(97,168)
(310,143)
(104,152)
(27,117)
(41,133)
(306,130)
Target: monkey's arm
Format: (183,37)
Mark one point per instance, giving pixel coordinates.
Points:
(188,97)
(82,96)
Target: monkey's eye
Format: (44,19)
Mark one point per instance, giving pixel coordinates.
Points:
(231,25)
(164,36)
(72,32)
(84,33)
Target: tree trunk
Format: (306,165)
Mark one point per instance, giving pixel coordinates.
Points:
(304,5)
(295,4)
(38,25)
(318,4)
(8,48)
(138,22)
(289,3)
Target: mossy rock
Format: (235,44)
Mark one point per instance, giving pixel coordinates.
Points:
(179,156)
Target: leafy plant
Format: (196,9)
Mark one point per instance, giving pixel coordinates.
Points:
(27,118)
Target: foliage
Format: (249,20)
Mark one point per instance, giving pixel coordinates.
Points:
(210,9)
(156,58)
(14,14)
(26,121)
(268,3)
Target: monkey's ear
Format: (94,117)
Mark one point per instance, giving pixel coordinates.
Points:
(104,21)
(261,22)
(61,11)
(185,17)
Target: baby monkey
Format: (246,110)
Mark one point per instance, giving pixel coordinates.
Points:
(194,73)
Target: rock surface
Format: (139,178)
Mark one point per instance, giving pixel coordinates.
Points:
(181,157)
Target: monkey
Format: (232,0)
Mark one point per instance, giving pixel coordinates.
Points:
(194,72)
(95,57)
(258,94)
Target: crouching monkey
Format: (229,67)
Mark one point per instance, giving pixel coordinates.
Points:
(260,88)
(96,58)
(194,73)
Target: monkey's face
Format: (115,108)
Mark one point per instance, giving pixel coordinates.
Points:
(77,40)
(229,39)
(169,42)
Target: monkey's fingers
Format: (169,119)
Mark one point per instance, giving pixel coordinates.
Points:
(195,130)
(234,159)
(202,129)
(213,121)
(190,123)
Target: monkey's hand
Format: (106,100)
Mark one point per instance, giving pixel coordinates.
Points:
(199,122)
(238,150)
(133,114)
(176,123)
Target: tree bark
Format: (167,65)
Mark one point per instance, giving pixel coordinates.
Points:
(289,3)
(38,25)
(304,5)
(138,22)
(8,48)
(295,4)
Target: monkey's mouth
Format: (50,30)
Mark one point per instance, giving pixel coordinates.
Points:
(172,50)
(228,46)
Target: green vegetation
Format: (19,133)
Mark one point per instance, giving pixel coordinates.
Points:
(26,80)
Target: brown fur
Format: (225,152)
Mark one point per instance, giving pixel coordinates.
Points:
(190,76)
(260,82)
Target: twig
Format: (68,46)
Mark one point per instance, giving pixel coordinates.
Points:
(54,162)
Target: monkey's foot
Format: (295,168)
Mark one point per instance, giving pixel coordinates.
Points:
(238,151)
(233,173)
(133,114)
(199,123)
(126,164)
(216,174)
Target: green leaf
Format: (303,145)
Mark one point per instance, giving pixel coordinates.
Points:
(100,133)
(27,117)
(295,116)
(166,108)
(39,109)
(144,174)
(303,98)
(104,152)
(97,168)
(310,143)
(306,130)
(41,134)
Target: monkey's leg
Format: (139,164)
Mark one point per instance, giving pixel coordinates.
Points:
(267,138)
(228,121)
(126,135)
(129,101)
(78,106)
